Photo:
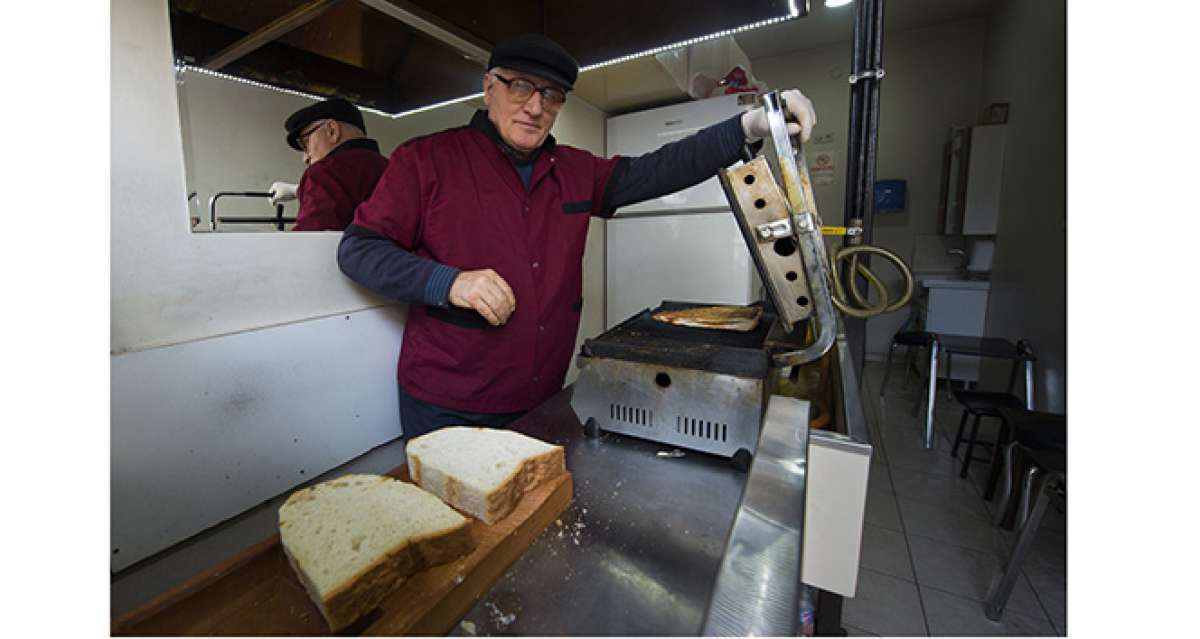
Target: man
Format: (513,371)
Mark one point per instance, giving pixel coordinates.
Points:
(343,165)
(481,229)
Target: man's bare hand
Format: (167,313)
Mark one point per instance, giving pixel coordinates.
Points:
(486,292)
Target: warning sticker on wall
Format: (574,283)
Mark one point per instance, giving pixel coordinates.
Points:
(821,168)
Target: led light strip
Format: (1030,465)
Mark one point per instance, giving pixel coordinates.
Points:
(316,98)
(792,13)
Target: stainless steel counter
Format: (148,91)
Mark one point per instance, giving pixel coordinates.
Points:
(638,549)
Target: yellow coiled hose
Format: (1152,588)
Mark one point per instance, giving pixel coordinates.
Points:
(864,309)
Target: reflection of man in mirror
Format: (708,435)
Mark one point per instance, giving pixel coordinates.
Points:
(343,165)
(481,229)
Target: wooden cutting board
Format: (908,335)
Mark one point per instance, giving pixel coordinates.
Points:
(257,593)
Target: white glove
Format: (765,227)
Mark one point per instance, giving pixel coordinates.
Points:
(282,192)
(754,121)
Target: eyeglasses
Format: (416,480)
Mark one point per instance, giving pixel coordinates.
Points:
(520,89)
(303,139)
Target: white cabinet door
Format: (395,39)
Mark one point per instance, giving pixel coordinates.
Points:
(697,257)
(982,210)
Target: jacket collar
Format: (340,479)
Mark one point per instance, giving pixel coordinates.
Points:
(483,124)
(366,144)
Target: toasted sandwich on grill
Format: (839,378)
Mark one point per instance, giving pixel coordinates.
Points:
(727,318)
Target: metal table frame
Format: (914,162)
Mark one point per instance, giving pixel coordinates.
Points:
(993,347)
(1041,484)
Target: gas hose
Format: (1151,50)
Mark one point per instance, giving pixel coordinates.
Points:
(864,309)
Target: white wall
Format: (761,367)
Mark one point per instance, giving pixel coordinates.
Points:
(185,409)
(247,322)
(932,82)
(1025,65)
(205,430)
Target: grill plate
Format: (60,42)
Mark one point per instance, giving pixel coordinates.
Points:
(644,339)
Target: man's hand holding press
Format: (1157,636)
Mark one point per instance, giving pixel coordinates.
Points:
(801,118)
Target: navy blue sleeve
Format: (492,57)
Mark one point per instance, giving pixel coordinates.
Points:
(383,266)
(675,166)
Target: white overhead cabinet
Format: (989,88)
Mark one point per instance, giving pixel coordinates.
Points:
(983,182)
(971,180)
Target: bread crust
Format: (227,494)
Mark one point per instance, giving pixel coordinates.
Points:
(530,473)
(503,499)
(370,585)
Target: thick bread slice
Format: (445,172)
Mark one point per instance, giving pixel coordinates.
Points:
(482,471)
(354,539)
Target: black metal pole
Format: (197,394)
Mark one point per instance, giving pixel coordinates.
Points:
(854,129)
(866,65)
(873,89)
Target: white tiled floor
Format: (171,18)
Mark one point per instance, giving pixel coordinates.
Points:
(930,551)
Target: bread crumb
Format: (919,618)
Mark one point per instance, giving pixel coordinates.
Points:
(499,618)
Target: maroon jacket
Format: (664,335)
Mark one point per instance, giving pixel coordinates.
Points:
(333,186)
(454,197)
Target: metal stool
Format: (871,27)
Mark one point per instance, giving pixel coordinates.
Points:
(982,404)
(908,339)
(1046,479)
(1036,430)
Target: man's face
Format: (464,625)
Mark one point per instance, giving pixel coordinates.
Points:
(318,139)
(523,124)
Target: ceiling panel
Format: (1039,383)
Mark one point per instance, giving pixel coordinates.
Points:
(599,31)
(826,26)
(413,70)
(375,60)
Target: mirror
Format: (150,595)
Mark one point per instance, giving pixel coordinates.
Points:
(234,148)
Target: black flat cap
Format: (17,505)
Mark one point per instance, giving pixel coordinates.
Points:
(332,109)
(535,53)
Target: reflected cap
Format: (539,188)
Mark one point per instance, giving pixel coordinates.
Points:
(333,109)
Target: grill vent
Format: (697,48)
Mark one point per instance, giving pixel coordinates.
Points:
(631,415)
(701,428)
